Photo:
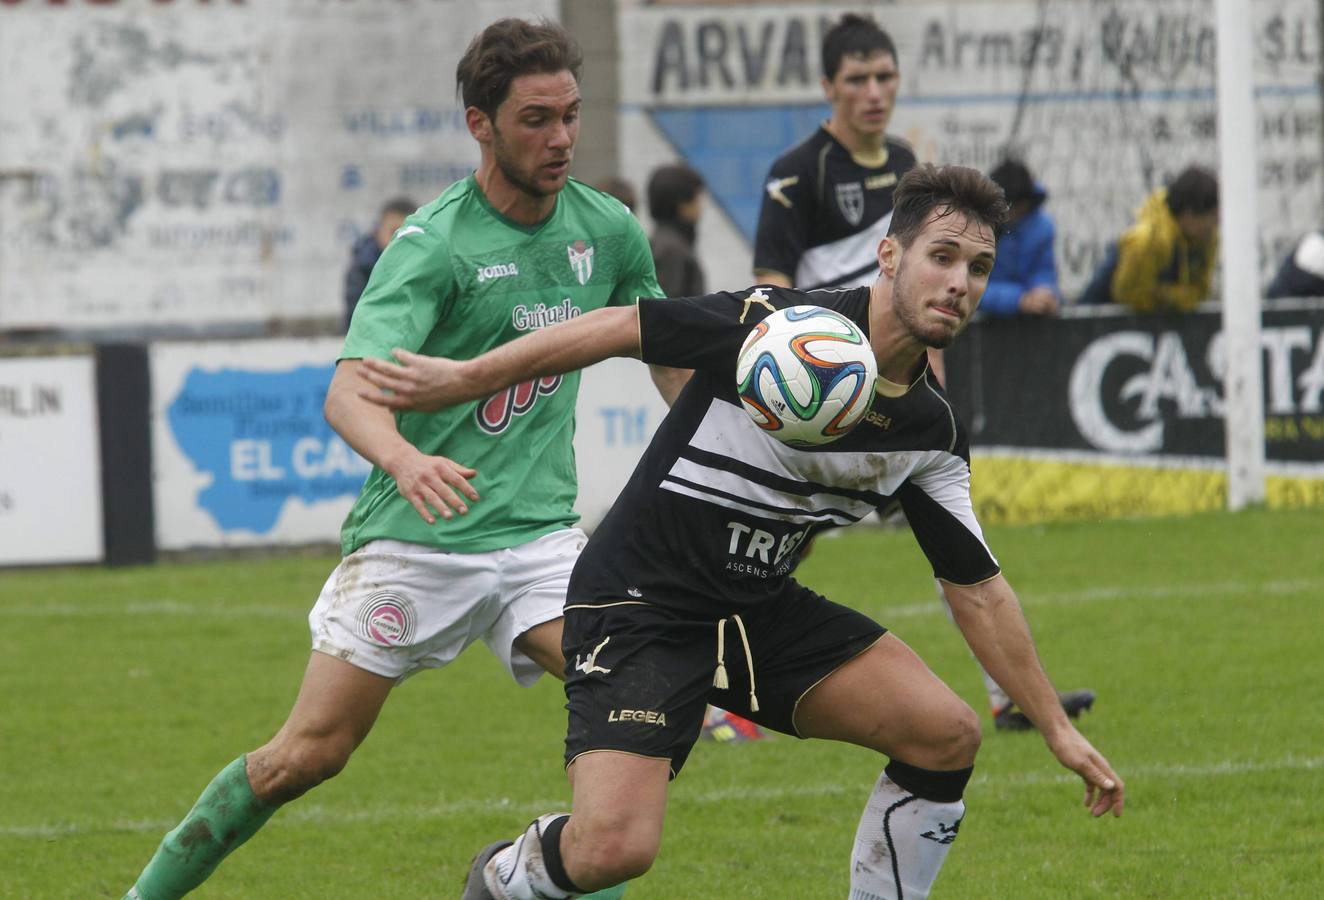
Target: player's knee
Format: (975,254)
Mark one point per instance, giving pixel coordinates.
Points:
(618,859)
(287,769)
(611,855)
(957,743)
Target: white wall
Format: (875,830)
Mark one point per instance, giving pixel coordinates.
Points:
(199,162)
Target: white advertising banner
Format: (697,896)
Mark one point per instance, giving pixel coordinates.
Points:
(1105,101)
(241,452)
(243,456)
(50,462)
(618,411)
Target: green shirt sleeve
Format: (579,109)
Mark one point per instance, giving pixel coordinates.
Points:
(638,278)
(411,290)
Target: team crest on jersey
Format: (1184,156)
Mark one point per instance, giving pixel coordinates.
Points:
(850,200)
(581,260)
(497,412)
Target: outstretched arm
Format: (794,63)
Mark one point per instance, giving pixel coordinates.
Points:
(990,618)
(432,383)
(428,482)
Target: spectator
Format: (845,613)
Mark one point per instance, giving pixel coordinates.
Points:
(1302,271)
(1165,261)
(363,255)
(828,200)
(621,189)
(675,201)
(1024,278)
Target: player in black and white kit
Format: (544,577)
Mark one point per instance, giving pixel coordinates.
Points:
(683,596)
(827,202)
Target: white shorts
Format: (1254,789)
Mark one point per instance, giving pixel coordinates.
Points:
(393,607)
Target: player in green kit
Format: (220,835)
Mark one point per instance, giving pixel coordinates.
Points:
(429,567)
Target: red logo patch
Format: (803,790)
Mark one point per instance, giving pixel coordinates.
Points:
(496,413)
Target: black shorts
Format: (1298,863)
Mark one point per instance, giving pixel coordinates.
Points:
(638,677)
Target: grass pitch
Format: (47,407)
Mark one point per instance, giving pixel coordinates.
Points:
(124,691)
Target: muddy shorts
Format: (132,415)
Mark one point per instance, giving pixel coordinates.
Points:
(394,608)
(639,676)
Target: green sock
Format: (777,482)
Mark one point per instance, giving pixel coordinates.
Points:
(226,815)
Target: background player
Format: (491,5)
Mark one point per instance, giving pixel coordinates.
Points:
(681,588)
(828,201)
(513,248)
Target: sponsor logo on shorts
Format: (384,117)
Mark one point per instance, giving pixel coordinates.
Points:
(387,619)
(590,665)
(638,716)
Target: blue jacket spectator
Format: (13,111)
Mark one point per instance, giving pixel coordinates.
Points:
(1024,278)
(365,251)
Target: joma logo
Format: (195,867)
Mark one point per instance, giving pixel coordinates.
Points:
(500,270)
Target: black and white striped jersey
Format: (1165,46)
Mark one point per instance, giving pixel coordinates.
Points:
(714,516)
(824,212)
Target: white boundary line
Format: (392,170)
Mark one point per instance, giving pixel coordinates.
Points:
(1311,587)
(314,814)
(1101,593)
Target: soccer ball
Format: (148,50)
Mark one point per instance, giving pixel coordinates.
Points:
(806,375)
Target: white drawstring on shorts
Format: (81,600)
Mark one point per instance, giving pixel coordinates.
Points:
(719,677)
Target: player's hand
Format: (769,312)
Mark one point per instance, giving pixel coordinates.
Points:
(426,383)
(434,483)
(1104,790)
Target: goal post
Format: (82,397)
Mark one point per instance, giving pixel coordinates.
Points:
(1243,389)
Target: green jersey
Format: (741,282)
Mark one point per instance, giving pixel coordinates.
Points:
(457,280)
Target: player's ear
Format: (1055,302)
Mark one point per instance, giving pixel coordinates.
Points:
(889,251)
(480,126)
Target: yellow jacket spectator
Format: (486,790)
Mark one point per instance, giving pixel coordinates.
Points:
(1165,261)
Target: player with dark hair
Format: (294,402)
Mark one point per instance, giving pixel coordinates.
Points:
(684,595)
(828,200)
(428,567)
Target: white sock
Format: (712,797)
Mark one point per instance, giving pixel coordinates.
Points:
(519,871)
(901,844)
(997,697)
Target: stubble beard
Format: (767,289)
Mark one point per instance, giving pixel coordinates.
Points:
(908,313)
(520,180)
